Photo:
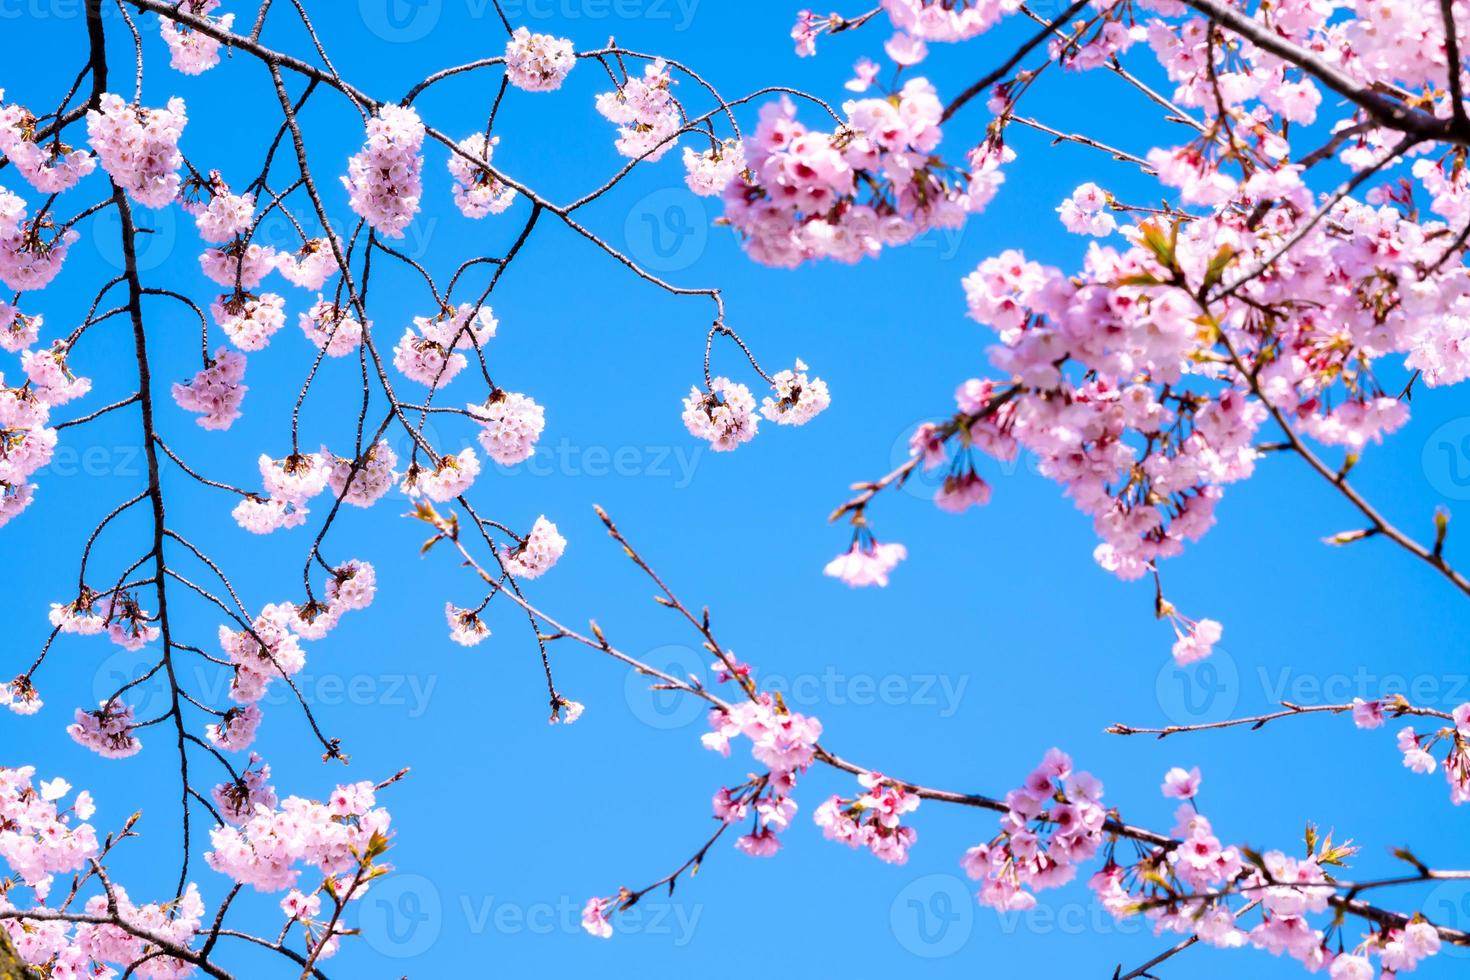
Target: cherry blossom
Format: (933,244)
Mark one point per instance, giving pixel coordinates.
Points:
(724,414)
(534,557)
(193,52)
(477,190)
(537,62)
(385,178)
(139,148)
(216,391)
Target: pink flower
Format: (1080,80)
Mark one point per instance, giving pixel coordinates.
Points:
(906,50)
(1181,785)
(537,62)
(961,491)
(595,918)
(762,843)
(1367,714)
(1198,643)
(866,564)
(865,70)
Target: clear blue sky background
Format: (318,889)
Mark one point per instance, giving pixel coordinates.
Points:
(997,639)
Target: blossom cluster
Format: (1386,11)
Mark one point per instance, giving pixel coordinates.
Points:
(339,838)
(537,62)
(428,352)
(872,182)
(216,391)
(783,741)
(477,190)
(139,148)
(645,112)
(191,51)
(1055,822)
(385,178)
(1188,887)
(49,166)
(873,819)
(1418,747)
(724,414)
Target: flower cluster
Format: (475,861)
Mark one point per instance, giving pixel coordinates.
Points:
(249,320)
(216,391)
(50,168)
(783,741)
(365,481)
(1418,748)
(32,250)
(224,216)
(430,356)
(26,444)
(798,400)
(710,172)
(236,728)
(465,626)
(846,194)
(332,328)
(1185,887)
(510,424)
(867,562)
(339,838)
(477,191)
(537,62)
(645,112)
(1055,822)
(194,52)
(385,178)
(534,557)
(446,479)
(724,414)
(139,148)
(108,731)
(311,266)
(38,840)
(873,819)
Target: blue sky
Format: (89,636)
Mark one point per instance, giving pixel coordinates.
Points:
(998,638)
